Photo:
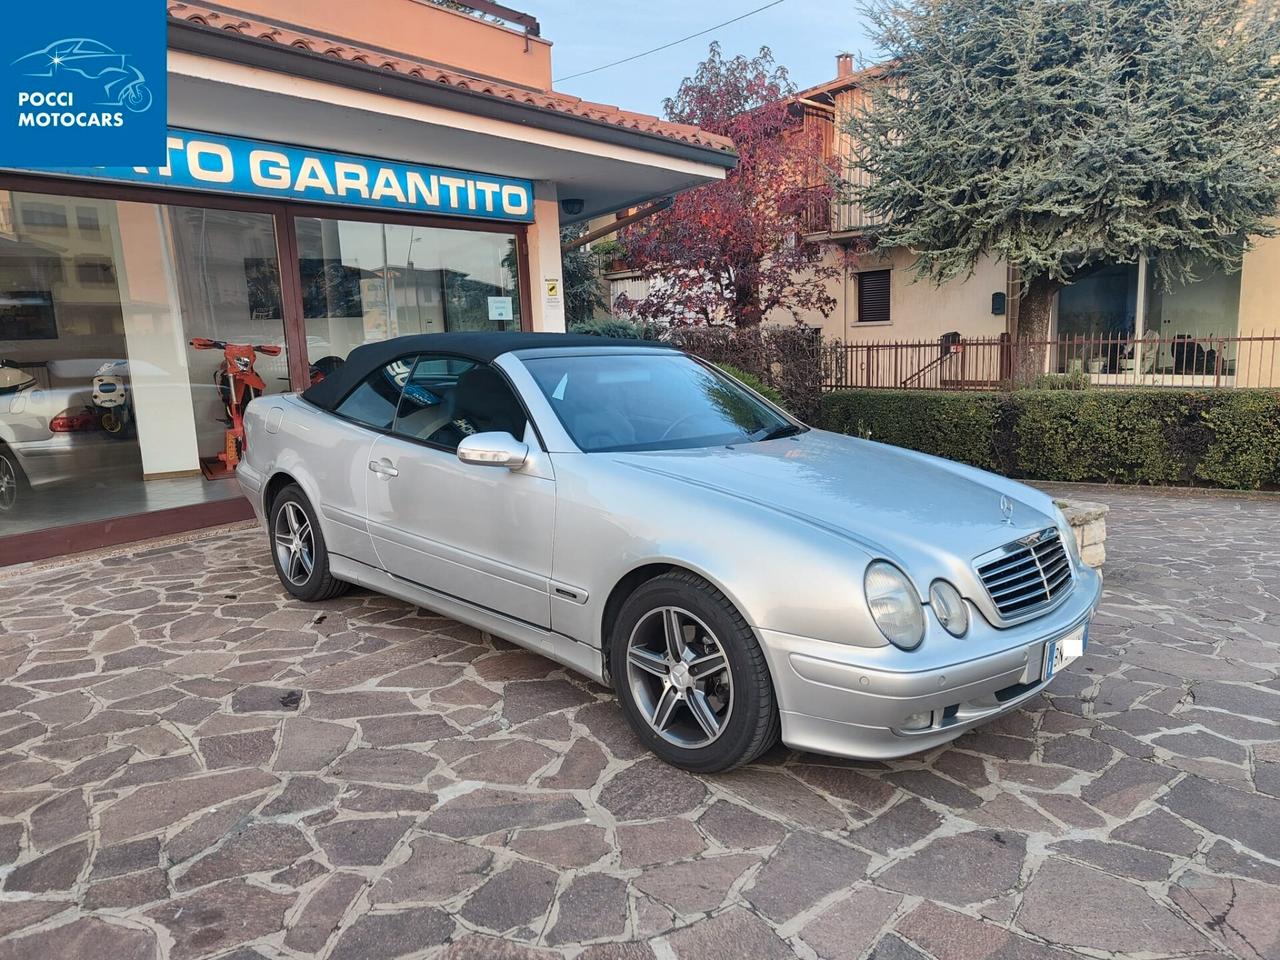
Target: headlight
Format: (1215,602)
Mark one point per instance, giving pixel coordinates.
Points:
(949,607)
(1069,538)
(894,604)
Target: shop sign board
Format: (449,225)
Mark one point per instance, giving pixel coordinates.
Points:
(226,164)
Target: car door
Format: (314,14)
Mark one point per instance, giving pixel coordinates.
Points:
(337,451)
(481,534)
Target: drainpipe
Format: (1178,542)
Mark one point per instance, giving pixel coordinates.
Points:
(844,299)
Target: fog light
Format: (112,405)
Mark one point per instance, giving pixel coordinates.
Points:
(917,721)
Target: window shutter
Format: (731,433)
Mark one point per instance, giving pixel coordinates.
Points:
(873,297)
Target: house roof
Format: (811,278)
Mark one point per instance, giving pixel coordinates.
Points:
(260,30)
(830,88)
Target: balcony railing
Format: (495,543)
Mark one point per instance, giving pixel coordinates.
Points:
(825,214)
(992,363)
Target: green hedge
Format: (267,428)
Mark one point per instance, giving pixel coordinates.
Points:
(1224,438)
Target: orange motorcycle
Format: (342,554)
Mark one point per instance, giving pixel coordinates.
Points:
(237,384)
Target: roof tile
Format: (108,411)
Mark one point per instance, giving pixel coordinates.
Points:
(431,73)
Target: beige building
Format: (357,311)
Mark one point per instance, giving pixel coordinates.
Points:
(1114,324)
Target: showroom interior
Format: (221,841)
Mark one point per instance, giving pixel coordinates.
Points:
(119,286)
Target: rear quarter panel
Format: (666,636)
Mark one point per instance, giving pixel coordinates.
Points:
(325,455)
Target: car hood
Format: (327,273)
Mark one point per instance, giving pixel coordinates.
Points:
(893,502)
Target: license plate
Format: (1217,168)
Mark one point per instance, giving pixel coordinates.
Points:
(1062,650)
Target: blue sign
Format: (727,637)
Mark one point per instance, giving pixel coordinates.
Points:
(212,161)
(82,81)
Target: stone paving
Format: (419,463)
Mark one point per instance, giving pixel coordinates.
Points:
(192,765)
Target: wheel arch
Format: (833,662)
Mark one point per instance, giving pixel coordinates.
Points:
(635,578)
(271,489)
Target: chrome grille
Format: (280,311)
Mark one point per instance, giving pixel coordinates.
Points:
(1026,576)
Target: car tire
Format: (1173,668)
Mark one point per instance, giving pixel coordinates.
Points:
(297,548)
(13,482)
(696,716)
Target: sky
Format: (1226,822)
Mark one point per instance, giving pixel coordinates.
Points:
(805,36)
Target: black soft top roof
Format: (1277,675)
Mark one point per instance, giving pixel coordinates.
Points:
(482,347)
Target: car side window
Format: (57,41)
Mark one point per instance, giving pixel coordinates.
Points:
(429,397)
(446,399)
(374,401)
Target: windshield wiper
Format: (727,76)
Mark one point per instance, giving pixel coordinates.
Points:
(777,433)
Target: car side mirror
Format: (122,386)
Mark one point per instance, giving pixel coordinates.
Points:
(495,449)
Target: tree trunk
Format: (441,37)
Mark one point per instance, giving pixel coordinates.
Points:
(746,302)
(1035,308)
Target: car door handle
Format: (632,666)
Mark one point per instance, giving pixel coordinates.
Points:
(383,468)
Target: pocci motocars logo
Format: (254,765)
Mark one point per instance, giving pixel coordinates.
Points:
(94,98)
(118,84)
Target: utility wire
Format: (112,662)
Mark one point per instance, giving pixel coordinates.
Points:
(666,46)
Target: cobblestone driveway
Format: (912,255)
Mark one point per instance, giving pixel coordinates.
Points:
(194,767)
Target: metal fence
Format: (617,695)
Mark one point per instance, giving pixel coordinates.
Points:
(992,363)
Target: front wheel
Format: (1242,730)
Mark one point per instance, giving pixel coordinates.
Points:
(691,677)
(12,481)
(298,550)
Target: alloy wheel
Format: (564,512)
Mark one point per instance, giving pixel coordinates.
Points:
(679,676)
(8,484)
(295,543)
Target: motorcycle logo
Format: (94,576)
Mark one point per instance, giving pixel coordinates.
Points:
(121,83)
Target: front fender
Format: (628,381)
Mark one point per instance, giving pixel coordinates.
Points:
(780,573)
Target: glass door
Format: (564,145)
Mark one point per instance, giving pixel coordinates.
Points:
(364,281)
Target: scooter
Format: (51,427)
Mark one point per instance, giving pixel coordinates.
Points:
(237,384)
(112,401)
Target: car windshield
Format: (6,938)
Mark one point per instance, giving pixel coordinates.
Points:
(651,401)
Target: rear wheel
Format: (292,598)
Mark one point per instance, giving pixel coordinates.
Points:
(297,548)
(691,676)
(12,481)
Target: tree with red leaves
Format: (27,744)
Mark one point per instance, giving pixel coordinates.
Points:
(732,251)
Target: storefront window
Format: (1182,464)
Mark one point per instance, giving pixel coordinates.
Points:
(363,282)
(119,320)
(1186,330)
(1104,303)
(1191,321)
(105,408)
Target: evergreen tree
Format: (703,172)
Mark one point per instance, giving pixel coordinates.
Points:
(584,286)
(1059,135)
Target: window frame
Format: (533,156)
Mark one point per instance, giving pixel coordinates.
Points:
(439,355)
(446,355)
(360,383)
(887,272)
(286,238)
(59,540)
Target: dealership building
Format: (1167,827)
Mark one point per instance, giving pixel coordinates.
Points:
(334,174)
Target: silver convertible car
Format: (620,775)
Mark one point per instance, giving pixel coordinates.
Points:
(636,515)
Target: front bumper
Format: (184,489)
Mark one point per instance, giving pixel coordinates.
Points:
(851,701)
